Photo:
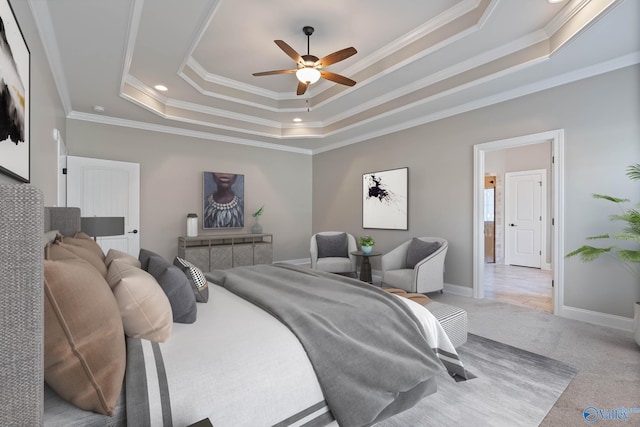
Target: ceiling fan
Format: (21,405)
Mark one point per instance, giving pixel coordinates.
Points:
(310,68)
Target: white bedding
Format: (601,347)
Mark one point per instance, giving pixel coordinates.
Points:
(247,371)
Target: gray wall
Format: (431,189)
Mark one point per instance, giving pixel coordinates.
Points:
(171,169)
(47,113)
(602,137)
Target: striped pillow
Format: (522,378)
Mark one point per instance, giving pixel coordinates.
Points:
(196,279)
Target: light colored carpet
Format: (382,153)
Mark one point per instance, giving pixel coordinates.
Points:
(608,359)
(512,388)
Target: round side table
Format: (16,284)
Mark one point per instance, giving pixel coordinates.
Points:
(365,267)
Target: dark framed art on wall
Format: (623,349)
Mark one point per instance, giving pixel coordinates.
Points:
(14,97)
(385,199)
(223,200)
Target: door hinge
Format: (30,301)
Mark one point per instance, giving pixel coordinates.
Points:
(64,171)
(539,183)
(552,283)
(553,221)
(540,252)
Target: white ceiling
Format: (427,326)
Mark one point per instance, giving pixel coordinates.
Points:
(417,61)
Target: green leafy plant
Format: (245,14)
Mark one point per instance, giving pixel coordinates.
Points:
(630,258)
(258,212)
(366,241)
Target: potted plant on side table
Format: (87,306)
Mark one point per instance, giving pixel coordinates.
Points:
(366,244)
(630,258)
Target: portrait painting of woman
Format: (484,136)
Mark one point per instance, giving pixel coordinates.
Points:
(223,200)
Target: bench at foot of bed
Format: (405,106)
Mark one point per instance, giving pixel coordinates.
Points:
(453,320)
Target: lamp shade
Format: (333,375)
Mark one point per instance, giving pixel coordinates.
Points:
(308,75)
(97,226)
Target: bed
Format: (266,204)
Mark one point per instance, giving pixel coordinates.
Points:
(257,353)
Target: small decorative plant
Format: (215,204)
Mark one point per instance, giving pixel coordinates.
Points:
(366,241)
(258,212)
(630,258)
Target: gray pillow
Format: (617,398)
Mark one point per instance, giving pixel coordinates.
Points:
(144,256)
(335,245)
(196,279)
(176,285)
(419,250)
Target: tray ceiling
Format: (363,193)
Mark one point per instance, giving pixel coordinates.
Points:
(416,62)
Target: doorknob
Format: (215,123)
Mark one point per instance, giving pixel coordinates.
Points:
(513,225)
(134,232)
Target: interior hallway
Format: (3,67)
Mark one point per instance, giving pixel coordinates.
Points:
(523,286)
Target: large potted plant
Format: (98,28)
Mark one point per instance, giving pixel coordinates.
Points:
(629,257)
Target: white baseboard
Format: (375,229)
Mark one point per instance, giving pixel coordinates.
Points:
(462,291)
(597,318)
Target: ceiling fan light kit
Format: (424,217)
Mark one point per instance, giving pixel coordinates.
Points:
(308,75)
(309,66)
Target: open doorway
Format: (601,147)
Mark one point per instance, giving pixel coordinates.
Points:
(485,164)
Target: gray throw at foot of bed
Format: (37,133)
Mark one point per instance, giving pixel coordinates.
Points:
(366,347)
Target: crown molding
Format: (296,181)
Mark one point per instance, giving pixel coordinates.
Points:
(44,26)
(114,121)
(570,77)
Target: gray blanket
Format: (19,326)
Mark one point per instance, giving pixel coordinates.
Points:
(368,350)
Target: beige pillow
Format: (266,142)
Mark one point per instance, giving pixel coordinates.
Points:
(81,252)
(84,342)
(144,307)
(55,252)
(121,256)
(86,241)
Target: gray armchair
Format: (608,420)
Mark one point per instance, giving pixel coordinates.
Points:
(331,251)
(406,268)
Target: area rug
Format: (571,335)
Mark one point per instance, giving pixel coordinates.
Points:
(513,387)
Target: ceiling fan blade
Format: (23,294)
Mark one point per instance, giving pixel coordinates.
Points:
(302,88)
(335,57)
(269,73)
(337,78)
(289,51)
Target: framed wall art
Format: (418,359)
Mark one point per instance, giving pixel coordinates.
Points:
(14,97)
(384,199)
(223,200)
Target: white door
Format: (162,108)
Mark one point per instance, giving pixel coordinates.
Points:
(523,211)
(107,188)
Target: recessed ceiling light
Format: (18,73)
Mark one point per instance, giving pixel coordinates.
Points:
(98,108)
(555,1)
(161,88)
(297,120)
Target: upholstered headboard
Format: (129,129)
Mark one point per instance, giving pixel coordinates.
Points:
(65,220)
(23,221)
(21,305)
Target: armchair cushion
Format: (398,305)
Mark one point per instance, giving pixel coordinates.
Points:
(335,245)
(419,250)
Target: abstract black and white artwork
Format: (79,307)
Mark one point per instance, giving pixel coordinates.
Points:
(14,97)
(223,200)
(384,199)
